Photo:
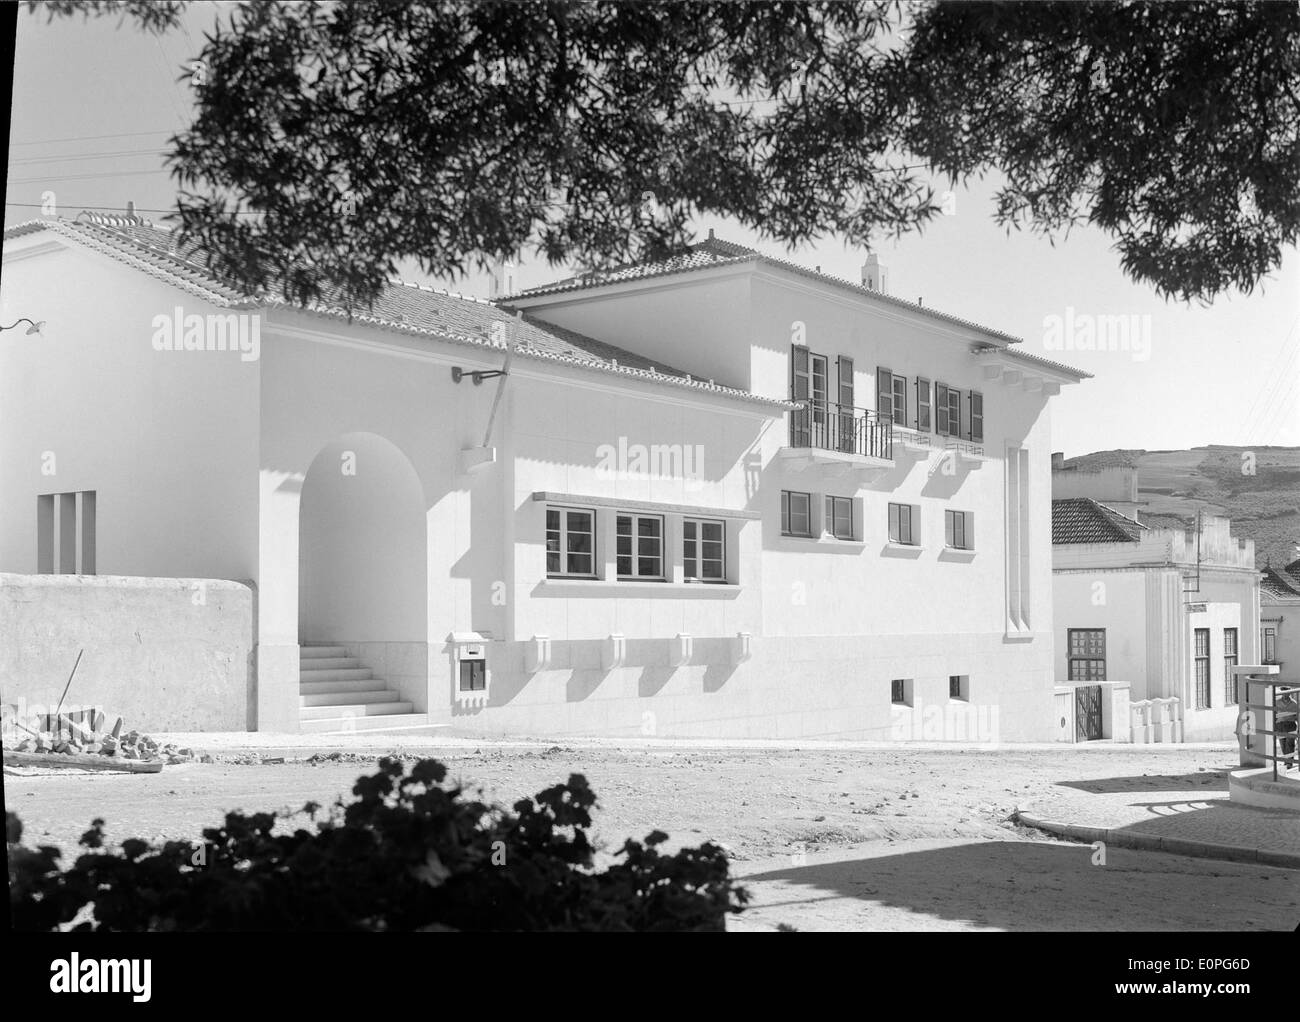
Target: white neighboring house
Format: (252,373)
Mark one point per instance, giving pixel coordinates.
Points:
(1280,617)
(721,495)
(1149,621)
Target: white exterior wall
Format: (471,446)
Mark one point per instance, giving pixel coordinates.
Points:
(166,439)
(840,619)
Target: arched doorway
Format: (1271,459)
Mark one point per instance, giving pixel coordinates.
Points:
(362,566)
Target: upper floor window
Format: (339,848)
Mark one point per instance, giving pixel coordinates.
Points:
(1270,645)
(704,544)
(891,396)
(570,542)
(640,540)
(923,404)
(1229,662)
(903,522)
(796,513)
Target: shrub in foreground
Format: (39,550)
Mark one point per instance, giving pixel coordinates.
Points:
(405,854)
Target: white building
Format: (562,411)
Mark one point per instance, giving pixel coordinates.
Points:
(1280,616)
(720,495)
(1149,622)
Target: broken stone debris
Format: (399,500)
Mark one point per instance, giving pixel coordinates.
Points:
(84,732)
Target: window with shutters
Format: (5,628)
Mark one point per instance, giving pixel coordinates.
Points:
(903,522)
(884,393)
(923,404)
(796,514)
(845,426)
(839,517)
(976,417)
(957,529)
(947,410)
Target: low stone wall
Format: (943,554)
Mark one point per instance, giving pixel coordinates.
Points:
(167,654)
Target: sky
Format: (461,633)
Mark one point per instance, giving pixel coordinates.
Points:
(95,101)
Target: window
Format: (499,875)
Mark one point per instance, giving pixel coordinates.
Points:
(796,514)
(640,542)
(959,686)
(1270,645)
(839,517)
(957,529)
(704,546)
(1202,661)
(65,533)
(923,404)
(570,542)
(845,426)
(1086,648)
(977,417)
(891,396)
(900,691)
(902,524)
(947,410)
(1229,662)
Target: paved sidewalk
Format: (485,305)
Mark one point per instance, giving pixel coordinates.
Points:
(1184,815)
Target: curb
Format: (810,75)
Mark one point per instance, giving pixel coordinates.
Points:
(1168,845)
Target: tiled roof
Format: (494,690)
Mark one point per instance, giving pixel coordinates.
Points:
(1024,356)
(1084,520)
(715,252)
(407,308)
(1280,583)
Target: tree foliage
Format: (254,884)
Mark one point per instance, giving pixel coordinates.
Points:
(407,853)
(332,140)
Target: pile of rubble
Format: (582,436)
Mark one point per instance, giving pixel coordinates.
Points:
(88,732)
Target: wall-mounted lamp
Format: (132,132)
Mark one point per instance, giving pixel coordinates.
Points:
(477,375)
(35,327)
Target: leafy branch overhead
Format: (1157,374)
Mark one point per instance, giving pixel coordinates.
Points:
(332,140)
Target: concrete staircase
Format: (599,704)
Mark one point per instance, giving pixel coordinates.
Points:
(339,696)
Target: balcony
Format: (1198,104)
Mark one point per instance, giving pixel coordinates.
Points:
(826,433)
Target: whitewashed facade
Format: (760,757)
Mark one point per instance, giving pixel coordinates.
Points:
(721,496)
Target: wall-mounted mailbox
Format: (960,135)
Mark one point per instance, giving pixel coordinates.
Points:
(470,678)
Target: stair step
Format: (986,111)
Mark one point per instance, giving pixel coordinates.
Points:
(328,663)
(317,688)
(378,722)
(313,652)
(368,696)
(346,710)
(347,674)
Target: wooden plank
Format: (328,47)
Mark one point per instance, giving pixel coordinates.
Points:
(81,761)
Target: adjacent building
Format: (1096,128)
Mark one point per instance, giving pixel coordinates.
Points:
(1149,622)
(718,495)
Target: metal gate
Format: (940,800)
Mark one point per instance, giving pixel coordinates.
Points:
(1087,713)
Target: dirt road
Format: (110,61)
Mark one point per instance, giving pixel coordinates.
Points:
(827,837)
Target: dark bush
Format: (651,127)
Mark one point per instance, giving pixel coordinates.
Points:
(404,854)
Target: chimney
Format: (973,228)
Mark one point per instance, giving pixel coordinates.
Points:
(1058,461)
(874,275)
(130,208)
(502,280)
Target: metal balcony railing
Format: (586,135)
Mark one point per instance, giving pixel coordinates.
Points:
(1282,714)
(835,427)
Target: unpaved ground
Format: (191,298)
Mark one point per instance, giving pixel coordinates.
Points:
(920,835)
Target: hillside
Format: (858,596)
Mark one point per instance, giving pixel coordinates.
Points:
(1264,507)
